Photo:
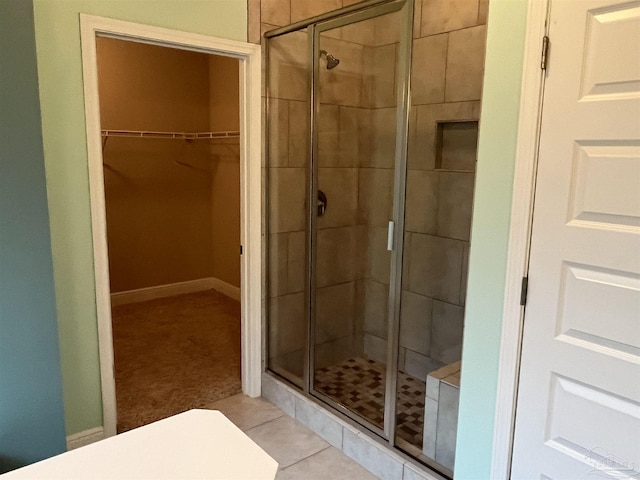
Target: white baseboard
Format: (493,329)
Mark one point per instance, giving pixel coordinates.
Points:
(85,437)
(225,288)
(179,288)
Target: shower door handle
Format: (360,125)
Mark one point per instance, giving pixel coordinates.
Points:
(390,233)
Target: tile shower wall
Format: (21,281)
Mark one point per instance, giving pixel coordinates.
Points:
(287,214)
(356,160)
(446,82)
(342,134)
(355,171)
(356,141)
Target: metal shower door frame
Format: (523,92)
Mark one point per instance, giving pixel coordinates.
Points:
(354,13)
(395,285)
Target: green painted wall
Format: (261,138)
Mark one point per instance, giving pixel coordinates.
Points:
(63,127)
(490,236)
(31,411)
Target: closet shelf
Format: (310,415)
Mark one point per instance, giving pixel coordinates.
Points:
(179,135)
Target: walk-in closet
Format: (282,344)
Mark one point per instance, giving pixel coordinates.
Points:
(170,146)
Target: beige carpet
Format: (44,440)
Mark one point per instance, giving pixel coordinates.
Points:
(173,354)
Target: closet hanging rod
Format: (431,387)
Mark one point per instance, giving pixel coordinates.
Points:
(179,135)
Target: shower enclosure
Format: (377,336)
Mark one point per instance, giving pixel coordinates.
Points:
(359,262)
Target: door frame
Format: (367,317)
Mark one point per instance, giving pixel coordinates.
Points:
(250,190)
(519,237)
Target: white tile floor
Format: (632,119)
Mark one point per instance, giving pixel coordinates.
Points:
(301,453)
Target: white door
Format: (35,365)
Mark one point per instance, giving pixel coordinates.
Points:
(578,410)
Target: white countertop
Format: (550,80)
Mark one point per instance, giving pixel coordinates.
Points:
(198,444)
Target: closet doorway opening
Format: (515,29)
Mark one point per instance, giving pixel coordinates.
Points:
(170,132)
(173,134)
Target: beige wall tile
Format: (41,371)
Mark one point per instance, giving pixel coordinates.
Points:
(287,189)
(361,32)
(359,304)
(383,75)
(336,351)
(335,309)
(401,359)
(418,365)
(362,241)
(375,196)
(421,210)
(378,262)
(423,134)
(477,108)
(428,69)
(264,27)
(406,263)
(278,264)
(446,332)
(287,264)
(423,138)
(289,66)
(287,325)
(412,137)
(375,308)
(483,12)
(336,256)
(278,133)
(297,261)
(328,133)
(387,28)
(368,81)
(299,134)
(455,204)
(303,9)
(415,322)
(343,85)
(354,136)
(290,364)
(445,15)
(465,64)
(340,185)
(333,33)
(276,12)
(383,139)
(375,348)
(436,267)
(417,18)
(253,21)
(263,149)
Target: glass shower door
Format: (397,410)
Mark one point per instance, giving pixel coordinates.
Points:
(358,83)
(288,210)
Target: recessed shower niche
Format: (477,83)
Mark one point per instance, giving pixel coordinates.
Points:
(456,145)
(370,195)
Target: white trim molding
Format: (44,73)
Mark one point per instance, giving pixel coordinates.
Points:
(250,189)
(225,288)
(84,438)
(519,236)
(172,289)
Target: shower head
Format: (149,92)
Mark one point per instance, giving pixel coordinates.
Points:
(332,62)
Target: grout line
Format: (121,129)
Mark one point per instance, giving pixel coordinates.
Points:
(264,423)
(309,456)
(446,64)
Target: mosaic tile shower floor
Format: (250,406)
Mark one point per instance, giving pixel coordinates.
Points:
(358,383)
